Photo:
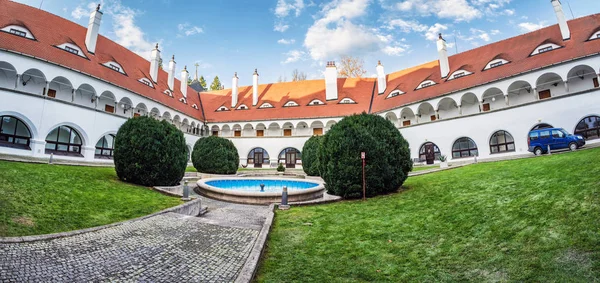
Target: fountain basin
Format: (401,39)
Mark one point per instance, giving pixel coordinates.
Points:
(248,191)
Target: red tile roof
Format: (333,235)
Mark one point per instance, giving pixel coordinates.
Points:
(40,22)
(363,91)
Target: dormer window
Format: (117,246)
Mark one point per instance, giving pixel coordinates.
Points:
(425,84)
(596,35)
(18,31)
(290,104)
(114,66)
(545,48)
(495,63)
(394,93)
(146,82)
(222,108)
(195,106)
(242,107)
(458,74)
(183,100)
(72,48)
(266,105)
(168,92)
(461,74)
(347,100)
(316,102)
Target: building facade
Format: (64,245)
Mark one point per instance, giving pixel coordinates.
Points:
(67,95)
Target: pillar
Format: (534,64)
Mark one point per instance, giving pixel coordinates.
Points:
(535,93)
(72,95)
(506,100)
(17,81)
(46,89)
(459,110)
(566,87)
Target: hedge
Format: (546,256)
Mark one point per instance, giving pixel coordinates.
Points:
(215,155)
(310,156)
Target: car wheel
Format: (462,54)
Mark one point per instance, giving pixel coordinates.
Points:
(572,146)
(538,151)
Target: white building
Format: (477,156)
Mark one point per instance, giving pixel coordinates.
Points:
(68,94)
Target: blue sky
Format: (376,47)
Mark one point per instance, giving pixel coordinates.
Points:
(278,36)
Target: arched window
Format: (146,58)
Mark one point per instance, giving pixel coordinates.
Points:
(289,157)
(426,150)
(258,157)
(502,141)
(14,133)
(542,126)
(589,128)
(64,140)
(105,147)
(464,147)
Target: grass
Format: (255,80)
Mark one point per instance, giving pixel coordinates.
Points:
(424,167)
(535,219)
(40,198)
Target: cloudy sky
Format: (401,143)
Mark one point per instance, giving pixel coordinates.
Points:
(278,36)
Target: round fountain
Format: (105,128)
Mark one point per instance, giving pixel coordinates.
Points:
(259,190)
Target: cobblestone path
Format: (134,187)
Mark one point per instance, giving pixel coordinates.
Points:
(165,248)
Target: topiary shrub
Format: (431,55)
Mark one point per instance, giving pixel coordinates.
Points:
(310,156)
(387,157)
(150,152)
(280,168)
(215,155)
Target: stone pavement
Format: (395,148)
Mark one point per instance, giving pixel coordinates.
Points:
(164,248)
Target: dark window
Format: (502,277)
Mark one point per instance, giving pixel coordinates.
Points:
(502,141)
(464,147)
(287,132)
(14,133)
(64,140)
(237,133)
(557,134)
(406,123)
(105,147)
(423,153)
(533,136)
(545,49)
(544,94)
(215,133)
(497,64)
(289,157)
(596,84)
(72,50)
(242,107)
(18,32)
(146,83)
(260,133)
(317,131)
(461,74)
(589,128)
(114,67)
(544,134)
(258,156)
(486,107)
(52,93)
(425,84)
(109,108)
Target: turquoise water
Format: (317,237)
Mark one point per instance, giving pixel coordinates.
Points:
(253,185)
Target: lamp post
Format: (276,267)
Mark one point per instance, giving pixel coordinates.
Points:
(363,155)
(186,191)
(284,199)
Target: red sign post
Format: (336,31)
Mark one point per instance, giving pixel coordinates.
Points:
(363,156)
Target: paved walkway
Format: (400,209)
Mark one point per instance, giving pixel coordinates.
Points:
(166,248)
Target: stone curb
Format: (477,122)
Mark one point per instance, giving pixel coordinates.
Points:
(192,208)
(251,266)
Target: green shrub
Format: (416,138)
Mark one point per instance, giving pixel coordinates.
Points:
(280,168)
(387,157)
(310,156)
(150,152)
(215,155)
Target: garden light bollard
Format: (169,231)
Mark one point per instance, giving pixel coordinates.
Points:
(284,199)
(262,187)
(549,153)
(51,158)
(186,191)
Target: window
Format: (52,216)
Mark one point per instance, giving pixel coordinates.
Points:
(595,80)
(423,152)
(266,105)
(425,84)
(486,107)
(64,140)
(544,94)
(168,92)
(52,93)
(242,107)
(544,134)
(502,141)
(405,123)
(258,157)
(545,49)
(287,132)
(433,117)
(589,128)
(18,32)
(289,157)
(182,100)
(146,82)
(317,131)
(114,67)
(260,133)
(215,133)
(557,134)
(464,147)
(14,133)
(461,74)
(195,106)
(395,93)
(72,50)
(316,102)
(542,126)
(290,104)
(496,64)
(222,108)
(347,101)
(533,136)
(105,147)
(109,108)
(237,133)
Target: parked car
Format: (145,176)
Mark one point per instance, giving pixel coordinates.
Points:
(557,138)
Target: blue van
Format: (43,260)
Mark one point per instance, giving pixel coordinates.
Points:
(557,138)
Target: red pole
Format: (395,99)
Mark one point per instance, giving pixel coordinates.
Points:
(364,183)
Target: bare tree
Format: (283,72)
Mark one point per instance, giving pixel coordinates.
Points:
(351,67)
(298,76)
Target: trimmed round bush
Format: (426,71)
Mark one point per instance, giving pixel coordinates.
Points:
(150,152)
(310,156)
(387,157)
(215,155)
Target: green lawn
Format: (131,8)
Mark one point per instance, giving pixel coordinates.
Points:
(39,198)
(424,167)
(535,219)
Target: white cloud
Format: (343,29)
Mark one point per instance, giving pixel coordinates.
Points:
(459,10)
(284,7)
(393,50)
(79,13)
(433,31)
(293,56)
(406,26)
(508,12)
(188,29)
(127,33)
(286,41)
(280,27)
(528,26)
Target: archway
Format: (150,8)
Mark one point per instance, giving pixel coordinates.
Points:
(14,133)
(502,141)
(290,157)
(588,127)
(258,157)
(464,147)
(520,92)
(105,147)
(541,126)
(8,75)
(429,152)
(64,140)
(582,77)
(469,104)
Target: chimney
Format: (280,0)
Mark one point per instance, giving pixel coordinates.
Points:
(331,75)
(255,88)
(381,82)
(171,80)
(443,52)
(184,79)
(234,90)
(92,32)
(154,62)
(562,21)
